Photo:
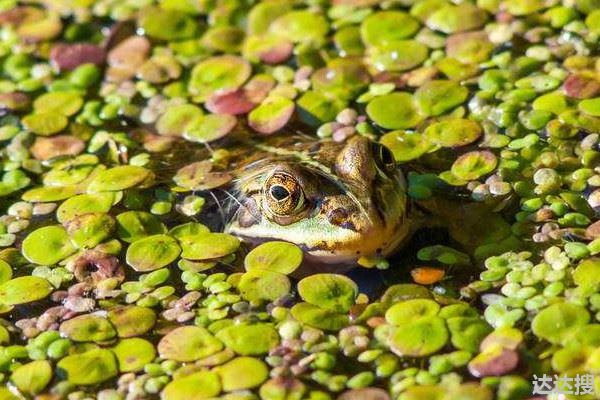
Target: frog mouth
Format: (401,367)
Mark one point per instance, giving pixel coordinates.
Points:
(341,253)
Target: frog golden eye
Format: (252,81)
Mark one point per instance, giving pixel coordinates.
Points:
(283,194)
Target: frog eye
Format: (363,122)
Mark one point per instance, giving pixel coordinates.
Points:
(283,194)
(384,158)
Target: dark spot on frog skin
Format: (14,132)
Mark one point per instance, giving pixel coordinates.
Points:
(337,216)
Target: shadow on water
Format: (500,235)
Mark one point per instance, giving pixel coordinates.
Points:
(374,282)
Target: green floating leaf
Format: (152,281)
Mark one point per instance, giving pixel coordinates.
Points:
(394,111)
(32,378)
(300,26)
(421,338)
(88,328)
(188,343)
(89,368)
(66,103)
(467,333)
(46,194)
(119,178)
(259,285)
(587,273)
(152,252)
(454,132)
(316,107)
(48,245)
(282,257)
(195,386)
(84,204)
(45,123)
(167,24)
(5,271)
(271,115)
(590,106)
(177,119)
(474,164)
(220,73)
(411,310)
(249,340)
(208,245)
(451,18)
(438,96)
(135,225)
(396,56)
(24,289)
(319,318)
(133,354)
(406,146)
(88,230)
(242,373)
(130,321)
(557,322)
(210,128)
(329,291)
(387,26)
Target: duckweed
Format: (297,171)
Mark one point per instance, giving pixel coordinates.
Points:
(121,131)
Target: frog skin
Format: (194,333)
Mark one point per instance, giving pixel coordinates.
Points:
(337,201)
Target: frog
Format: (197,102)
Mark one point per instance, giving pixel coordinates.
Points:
(338,201)
(344,203)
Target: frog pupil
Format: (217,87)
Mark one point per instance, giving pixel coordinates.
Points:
(279,192)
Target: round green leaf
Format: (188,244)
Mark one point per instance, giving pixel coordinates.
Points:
(132,321)
(387,26)
(208,245)
(219,73)
(65,103)
(438,96)
(319,318)
(47,245)
(406,146)
(557,322)
(300,26)
(45,123)
(89,368)
(135,225)
(119,178)
(272,115)
(474,164)
(420,338)
(453,132)
(329,291)
(188,343)
(394,111)
(249,340)
(176,119)
(88,328)
(274,256)
(242,373)
(24,289)
(152,252)
(411,310)
(83,204)
(133,354)
(32,378)
(195,386)
(398,55)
